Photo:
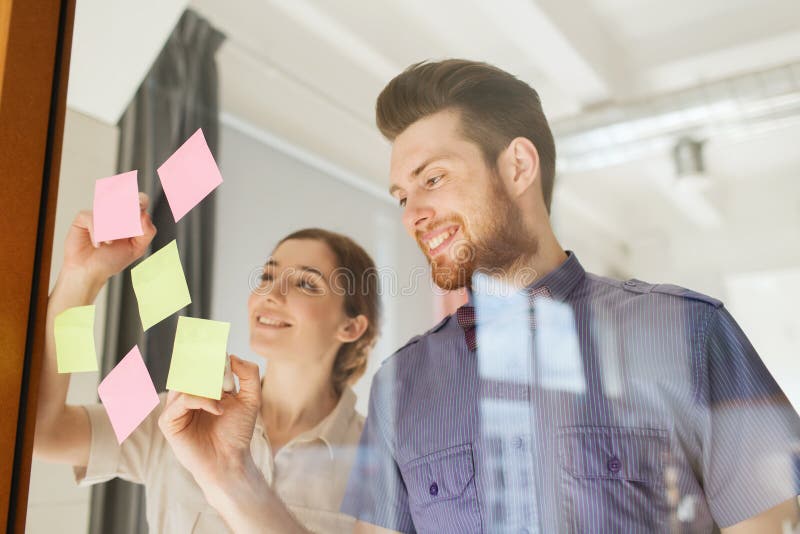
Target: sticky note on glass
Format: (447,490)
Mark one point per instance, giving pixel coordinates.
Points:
(74,333)
(128,394)
(160,285)
(116,208)
(189,175)
(198,357)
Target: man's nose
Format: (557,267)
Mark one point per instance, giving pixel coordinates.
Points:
(417,213)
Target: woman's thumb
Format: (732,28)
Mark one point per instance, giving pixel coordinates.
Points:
(247,371)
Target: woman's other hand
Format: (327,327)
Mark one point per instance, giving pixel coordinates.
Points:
(212,438)
(100,261)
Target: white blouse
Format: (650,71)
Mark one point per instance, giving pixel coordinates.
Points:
(309,473)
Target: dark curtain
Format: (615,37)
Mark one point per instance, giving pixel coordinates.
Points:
(178,96)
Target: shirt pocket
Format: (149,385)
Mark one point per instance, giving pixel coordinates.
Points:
(612,479)
(441,491)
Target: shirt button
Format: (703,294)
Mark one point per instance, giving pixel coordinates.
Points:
(434,489)
(630,283)
(614,465)
(517,442)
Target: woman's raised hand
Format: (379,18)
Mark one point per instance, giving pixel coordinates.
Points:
(212,438)
(63,431)
(99,261)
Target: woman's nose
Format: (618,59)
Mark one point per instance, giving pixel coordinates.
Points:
(273,290)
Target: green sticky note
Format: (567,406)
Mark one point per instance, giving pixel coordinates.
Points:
(160,285)
(74,332)
(198,357)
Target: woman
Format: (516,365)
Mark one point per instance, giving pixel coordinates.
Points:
(297,427)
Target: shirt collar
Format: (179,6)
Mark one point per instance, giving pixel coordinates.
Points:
(563,279)
(331,430)
(560,281)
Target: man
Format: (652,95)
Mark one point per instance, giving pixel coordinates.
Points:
(695,434)
(646,407)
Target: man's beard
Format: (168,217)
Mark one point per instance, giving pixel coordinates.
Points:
(501,242)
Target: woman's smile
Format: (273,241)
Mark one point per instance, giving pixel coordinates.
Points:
(271,322)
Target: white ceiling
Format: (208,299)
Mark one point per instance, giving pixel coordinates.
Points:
(113,46)
(308,72)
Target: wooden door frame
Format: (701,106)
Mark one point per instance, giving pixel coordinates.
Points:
(35,44)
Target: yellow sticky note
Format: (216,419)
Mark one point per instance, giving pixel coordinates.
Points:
(198,357)
(160,285)
(74,332)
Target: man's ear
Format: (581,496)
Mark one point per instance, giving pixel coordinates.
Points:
(519,164)
(352,329)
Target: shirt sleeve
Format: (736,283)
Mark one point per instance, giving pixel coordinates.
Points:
(131,460)
(751,432)
(375,491)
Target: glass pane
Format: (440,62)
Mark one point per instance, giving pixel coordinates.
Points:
(550,288)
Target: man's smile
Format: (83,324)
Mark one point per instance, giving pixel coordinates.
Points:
(439,239)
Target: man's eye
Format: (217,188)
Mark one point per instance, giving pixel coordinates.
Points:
(266,277)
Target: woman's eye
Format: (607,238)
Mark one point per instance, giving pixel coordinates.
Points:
(433,180)
(266,277)
(402,203)
(305,284)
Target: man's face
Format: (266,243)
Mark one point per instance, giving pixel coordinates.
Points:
(454,205)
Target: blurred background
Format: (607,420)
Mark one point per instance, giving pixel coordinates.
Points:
(676,127)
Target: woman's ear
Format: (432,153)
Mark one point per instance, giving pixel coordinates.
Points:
(352,329)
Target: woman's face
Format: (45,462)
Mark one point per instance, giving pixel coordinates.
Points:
(294,313)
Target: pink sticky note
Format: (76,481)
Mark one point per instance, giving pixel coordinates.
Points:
(116,208)
(189,175)
(128,394)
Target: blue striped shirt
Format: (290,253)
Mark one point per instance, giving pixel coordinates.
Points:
(630,407)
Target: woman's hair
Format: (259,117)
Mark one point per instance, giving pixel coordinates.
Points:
(356,278)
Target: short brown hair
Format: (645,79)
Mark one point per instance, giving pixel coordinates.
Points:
(495,108)
(351,360)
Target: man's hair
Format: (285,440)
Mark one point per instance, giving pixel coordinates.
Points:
(495,107)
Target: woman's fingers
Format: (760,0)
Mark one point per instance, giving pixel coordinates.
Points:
(142,241)
(85,221)
(177,414)
(228,385)
(179,404)
(193,402)
(172,395)
(247,371)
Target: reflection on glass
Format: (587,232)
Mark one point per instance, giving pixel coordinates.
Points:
(507,439)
